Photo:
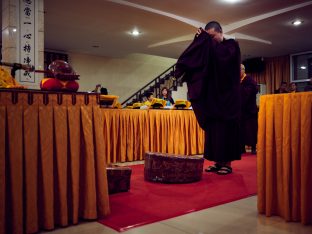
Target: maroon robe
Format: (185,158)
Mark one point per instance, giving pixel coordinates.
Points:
(212,73)
(249,124)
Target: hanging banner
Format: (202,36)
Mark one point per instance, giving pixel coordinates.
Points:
(27,38)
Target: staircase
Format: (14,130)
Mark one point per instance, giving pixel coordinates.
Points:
(165,79)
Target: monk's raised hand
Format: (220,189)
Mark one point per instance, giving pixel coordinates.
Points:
(199,31)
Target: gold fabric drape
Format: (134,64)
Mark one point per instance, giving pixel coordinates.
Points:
(52,161)
(128,134)
(175,132)
(285,156)
(277,69)
(54,149)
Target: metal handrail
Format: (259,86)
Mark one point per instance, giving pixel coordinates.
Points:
(141,91)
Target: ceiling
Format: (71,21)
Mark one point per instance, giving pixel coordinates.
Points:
(101,27)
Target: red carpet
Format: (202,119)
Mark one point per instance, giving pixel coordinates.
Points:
(148,202)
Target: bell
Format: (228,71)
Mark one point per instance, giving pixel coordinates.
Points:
(62,70)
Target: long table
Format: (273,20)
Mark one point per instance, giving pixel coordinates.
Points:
(52,161)
(285,156)
(54,148)
(128,134)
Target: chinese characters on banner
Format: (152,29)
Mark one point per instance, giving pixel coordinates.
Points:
(27,38)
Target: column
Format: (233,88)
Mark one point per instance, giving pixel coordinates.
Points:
(23,38)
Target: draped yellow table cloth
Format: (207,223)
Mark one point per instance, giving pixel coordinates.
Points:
(52,160)
(128,133)
(285,156)
(54,149)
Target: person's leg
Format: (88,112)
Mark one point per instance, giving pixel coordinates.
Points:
(222,144)
(242,137)
(243,149)
(210,149)
(253,149)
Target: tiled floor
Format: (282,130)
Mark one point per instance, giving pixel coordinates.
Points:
(236,217)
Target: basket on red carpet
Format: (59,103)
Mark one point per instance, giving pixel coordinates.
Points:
(170,168)
(118,179)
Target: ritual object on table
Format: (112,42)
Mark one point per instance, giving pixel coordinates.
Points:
(117,105)
(60,77)
(109,101)
(7,81)
(128,106)
(158,103)
(137,105)
(182,104)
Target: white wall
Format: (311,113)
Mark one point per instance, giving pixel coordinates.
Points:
(181,92)
(121,76)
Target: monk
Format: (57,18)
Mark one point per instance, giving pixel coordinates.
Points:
(249,118)
(211,68)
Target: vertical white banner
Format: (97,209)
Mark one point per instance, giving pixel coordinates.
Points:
(27,38)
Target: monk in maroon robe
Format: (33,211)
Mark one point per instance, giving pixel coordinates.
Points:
(211,68)
(249,117)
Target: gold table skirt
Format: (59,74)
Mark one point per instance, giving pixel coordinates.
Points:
(54,149)
(128,134)
(285,156)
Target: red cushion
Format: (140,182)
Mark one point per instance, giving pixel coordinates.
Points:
(70,85)
(53,84)
(50,84)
